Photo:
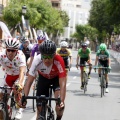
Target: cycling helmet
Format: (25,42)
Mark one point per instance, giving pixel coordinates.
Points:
(63,44)
(47,47)
(24,39)
(41,37)
(12,43)
(103,47)
(84,45)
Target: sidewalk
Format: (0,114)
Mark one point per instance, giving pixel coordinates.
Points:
(115,55)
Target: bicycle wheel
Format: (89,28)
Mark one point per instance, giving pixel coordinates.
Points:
(42,115)
(85,81)
(13,106)
(3,114)
(34,94)
(102,85)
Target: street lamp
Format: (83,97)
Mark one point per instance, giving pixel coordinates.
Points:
(24,9)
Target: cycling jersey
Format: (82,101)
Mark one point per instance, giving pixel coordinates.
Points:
(103,56)
(83,54)
(56,69)
(26,51)
(35,50)
(12,67)
(64,54)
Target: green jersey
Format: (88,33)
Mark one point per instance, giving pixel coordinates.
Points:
(103,56)
(83,54)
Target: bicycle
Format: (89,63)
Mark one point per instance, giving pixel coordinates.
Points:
(47,112)
(3,104)
(102,79)
(85,76)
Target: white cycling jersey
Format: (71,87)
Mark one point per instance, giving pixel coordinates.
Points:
(12,67)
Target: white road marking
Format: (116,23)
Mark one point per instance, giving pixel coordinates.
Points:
(74,77)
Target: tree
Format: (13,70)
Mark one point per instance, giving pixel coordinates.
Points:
(100,19)
(83,31)
(40,13)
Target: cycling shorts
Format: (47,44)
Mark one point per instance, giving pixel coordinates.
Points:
(104,64)
(83,61)
(9,80)
(44,83)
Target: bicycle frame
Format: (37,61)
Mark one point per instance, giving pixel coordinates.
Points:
(45,108)
(85,76)
(4,103)
(85,79)
(102,79)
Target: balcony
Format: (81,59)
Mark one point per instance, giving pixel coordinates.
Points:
(58,1)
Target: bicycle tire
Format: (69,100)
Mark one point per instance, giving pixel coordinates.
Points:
(42,115)
(3,114)
(85,81)
(102,85)
(6,114)
(13,107)
(33,101)
(34,94)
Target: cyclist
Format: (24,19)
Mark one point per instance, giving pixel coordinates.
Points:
(103,58)
(13,63)
(66,54)
(51,69)
(35,49)
(26,47)
(84,55)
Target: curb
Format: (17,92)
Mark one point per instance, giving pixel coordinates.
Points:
(115,55)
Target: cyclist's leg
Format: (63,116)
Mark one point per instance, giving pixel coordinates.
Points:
(42,89)
(66,67)
(56,89)
(82,61)
(90,67)
(106,75)
(1,96)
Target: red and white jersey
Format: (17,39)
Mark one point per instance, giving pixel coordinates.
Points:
(12,67)
(56,69)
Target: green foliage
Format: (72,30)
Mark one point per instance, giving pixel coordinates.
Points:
(83,31)
(40,14)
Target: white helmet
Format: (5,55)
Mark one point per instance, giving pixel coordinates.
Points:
(63,44)
(12,43)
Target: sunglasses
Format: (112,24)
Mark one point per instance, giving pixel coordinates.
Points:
(84,47)
(10,50)
(47,56)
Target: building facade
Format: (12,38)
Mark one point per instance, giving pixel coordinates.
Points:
(78,12)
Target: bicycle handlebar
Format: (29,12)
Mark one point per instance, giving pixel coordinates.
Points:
(84,65)
(100,67)
(5,87)
(42,98)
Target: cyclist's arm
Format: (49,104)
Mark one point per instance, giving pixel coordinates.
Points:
(21,74)
(77,60)
(70,59)
(96,60)
(89,57)
(22,68)
(30,63)
(28,84)
(62,83)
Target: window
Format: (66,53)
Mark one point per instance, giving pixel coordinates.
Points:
(78,6)
(86,0)
(55,4)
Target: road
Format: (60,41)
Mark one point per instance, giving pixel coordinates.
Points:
(88,106)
